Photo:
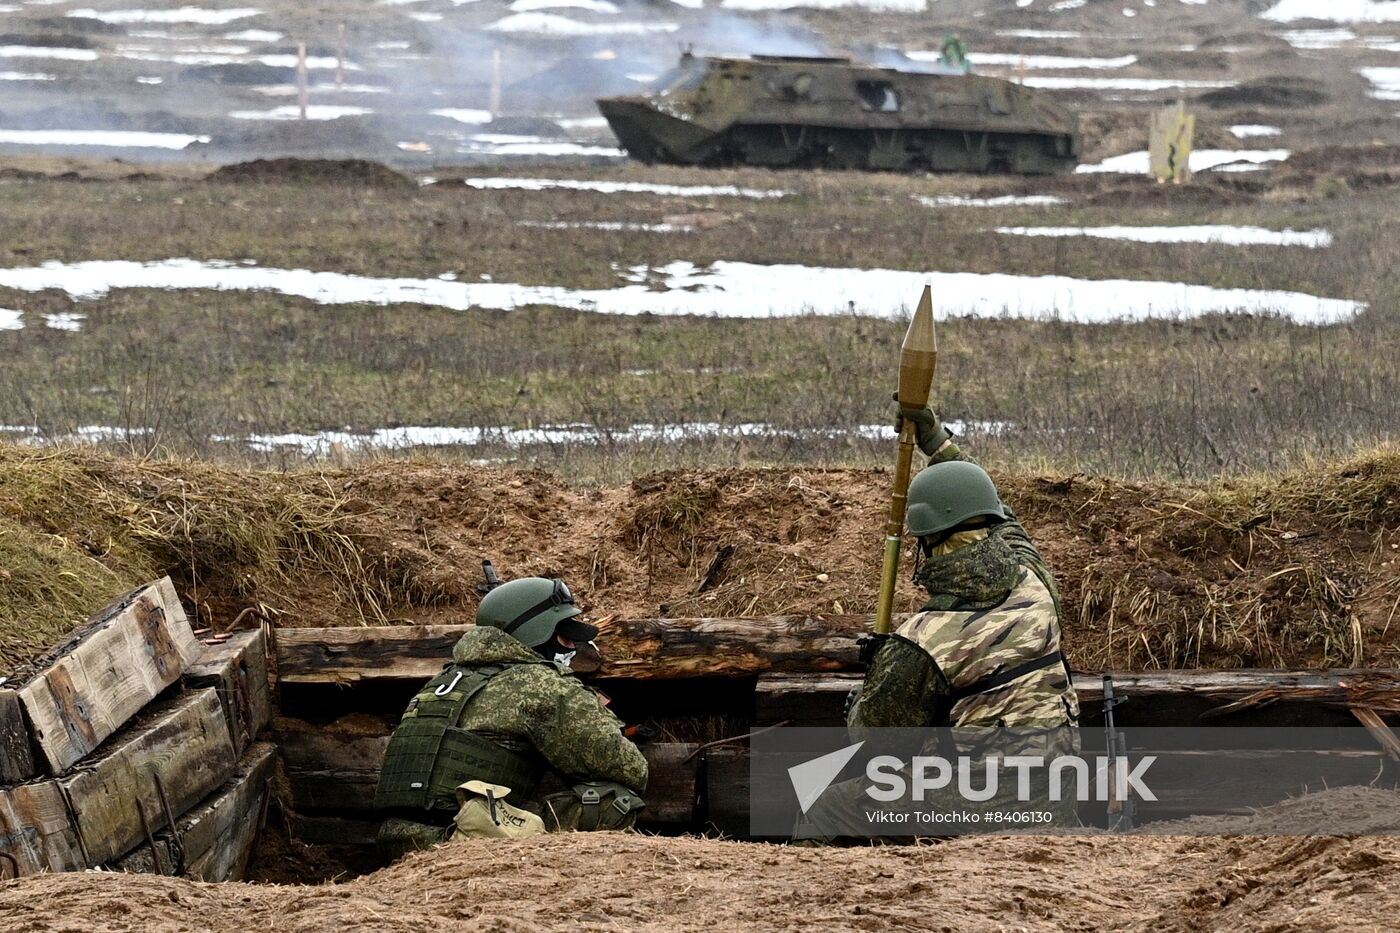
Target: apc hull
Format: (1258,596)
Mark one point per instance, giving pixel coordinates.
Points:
(823,113)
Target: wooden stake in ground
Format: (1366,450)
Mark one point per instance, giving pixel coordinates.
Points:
(918,357)
(303,90)
(494,105)
(340,58)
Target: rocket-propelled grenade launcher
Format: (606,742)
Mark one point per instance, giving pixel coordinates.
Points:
(918,357)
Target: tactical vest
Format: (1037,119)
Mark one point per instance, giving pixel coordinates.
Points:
(935,634)
(430,755)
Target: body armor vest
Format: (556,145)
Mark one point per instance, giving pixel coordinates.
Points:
(430,755)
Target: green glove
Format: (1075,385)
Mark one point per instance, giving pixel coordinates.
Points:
(931,433)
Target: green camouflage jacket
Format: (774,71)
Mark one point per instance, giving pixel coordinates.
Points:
(543,707)
(984,651)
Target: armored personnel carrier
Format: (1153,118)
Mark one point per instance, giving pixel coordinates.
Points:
(783,111)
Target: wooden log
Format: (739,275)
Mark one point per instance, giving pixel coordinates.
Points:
(1156,698)
(117,663)
(726,790)
(237,669)
(17,761)
(37,831)
(215,838)
(336,766)
(802,699)
(184,742)
(637,648)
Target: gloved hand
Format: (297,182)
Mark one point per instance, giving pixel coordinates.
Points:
(931,433)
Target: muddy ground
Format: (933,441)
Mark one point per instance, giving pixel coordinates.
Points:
(606,882)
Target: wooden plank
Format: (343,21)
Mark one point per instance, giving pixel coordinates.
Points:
(216,838)
(1156,698)
(633,648)
(16,750)
(802,699)
(116,664)
(726,790)
(335,766)
(36,831)
(672,785)
(237,669)
(184,741)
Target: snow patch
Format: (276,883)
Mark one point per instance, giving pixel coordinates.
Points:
(549,24)
(878,6)
(255,35)
(1137,163)
(1246,130)
(723,289)
(592,6)
(184,14)
(1064,83)
(1208,233)
(116,139)
(1032,61)
(1385,81)
(293,112)
(1337,11)
(11,320)
(463,116)
(1006,200)
(58,54)
(25,76)
(65,320)
(609,225)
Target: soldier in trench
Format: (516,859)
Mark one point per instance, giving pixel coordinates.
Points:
(983,655)
(469,752)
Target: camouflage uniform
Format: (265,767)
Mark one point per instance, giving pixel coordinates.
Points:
(536,708)
(983,654)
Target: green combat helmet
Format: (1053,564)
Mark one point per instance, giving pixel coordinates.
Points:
(944,495)
(531,610)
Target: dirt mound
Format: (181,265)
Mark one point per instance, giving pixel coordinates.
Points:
(1292,571)
(347,138)
(1113,132)
(250,73)
(1154,195)
(357,172)
(61,41)
(589,881)
(526,126)
(1339,158)
(1277,91)
(1252,40)
(83,24)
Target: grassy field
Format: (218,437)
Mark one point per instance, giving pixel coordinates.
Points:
(1177,398)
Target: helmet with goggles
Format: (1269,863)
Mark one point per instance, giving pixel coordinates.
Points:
(533,610)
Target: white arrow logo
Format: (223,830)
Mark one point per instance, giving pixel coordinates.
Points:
(811,778)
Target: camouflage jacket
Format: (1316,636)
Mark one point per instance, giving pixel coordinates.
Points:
(545,708)
(984,651)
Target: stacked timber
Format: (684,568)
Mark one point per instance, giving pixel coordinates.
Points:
(794,670)
(136,735)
